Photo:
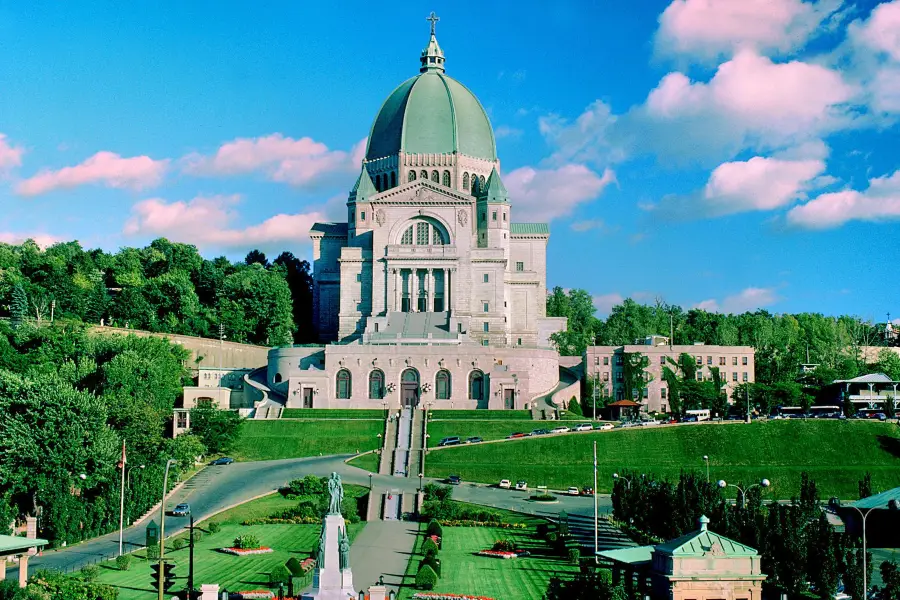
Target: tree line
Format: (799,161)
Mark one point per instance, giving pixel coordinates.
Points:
(165,287)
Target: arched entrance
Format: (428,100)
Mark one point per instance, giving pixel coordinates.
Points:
(409,388)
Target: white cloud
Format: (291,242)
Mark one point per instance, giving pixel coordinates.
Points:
(587,225)
(604,303)
(588,140)
(298,162)
(43,240)
(871,55)
(545,194)
(209,222)
(879,202)
(10,156)
(105,168)
(748,299)
(705,29)
(881,31)
(505,131)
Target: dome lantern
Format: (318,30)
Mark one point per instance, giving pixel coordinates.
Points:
(432,58)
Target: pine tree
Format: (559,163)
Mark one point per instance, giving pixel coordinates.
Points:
(19,306)
(575,407)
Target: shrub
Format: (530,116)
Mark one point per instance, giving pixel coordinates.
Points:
(123,562)
(214,527)
(432,561)
(434,528)
(552,537)
(575,407)
(179,543)
(504,546)
(294,566)
(308,486)
(574,555)
(246,542)
(426,578)
(152,552)
(437,492)
(280,574)
(429,545)
(542,530)
(543,497)
(90,573)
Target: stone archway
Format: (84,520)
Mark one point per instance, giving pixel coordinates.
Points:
(409,388)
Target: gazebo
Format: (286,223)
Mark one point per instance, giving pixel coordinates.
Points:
(622,409)
(12,546)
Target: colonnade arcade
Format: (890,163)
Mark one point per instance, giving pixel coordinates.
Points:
(422,289)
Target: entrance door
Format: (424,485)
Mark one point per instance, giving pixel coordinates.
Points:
(307,397)
(509,398)
(409,388)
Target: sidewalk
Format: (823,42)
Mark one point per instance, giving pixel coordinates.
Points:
(382,548)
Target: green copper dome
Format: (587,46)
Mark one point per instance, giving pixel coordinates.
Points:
(432,114)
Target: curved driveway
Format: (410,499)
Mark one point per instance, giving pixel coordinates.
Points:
(216,488)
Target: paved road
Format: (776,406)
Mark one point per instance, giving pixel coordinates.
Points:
(216,488)
(382,548)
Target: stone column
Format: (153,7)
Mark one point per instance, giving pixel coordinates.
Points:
(2,568)
(447,290)
(429,282)
(23,570)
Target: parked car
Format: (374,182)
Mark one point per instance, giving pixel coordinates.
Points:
(521,485)
(540,432)
(474,440)
(605,426)
(181,510)
(222,461)
(560,429)
(516,435)
(692,419)
(584,427)
(449,441)
(504,484)
(572,491)
(454,480)
(587,491)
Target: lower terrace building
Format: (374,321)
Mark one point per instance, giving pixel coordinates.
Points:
(604,366)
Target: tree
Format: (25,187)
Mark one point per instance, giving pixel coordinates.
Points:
(255,257)
(890,576)
(217,429)
(575,407)
(634,376)
(594,585)
(19,307)
(865,486)
(255,304)
(888,363)
(581,325)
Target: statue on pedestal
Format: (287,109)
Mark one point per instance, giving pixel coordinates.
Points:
(336,490)
(345,550)
(320,555)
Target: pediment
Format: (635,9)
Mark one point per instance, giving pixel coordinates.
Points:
(421,192)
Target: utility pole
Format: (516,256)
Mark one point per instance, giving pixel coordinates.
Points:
(747,395)
(162,529)
(122,501)
(190,583)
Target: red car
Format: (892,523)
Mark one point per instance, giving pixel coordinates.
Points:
(517,435)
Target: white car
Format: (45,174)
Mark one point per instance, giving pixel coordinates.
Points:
(561,429)
(584,427)
(521,486)
(606,427)
(572,491)
(504,483)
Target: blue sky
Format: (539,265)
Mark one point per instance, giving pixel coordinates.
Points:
(731,155)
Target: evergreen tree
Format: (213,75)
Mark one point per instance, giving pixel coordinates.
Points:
(865,486)
(575,407)
(18,309)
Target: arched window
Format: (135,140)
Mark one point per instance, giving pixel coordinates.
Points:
(407,238)
(393,179)
(476,385)
(383,182)
(442,385)
(376,385)
(475,186)
(412,175)
(423,175)
(435,177)
(423,233)
(410,376)
(481,182)
(465,181)
(343,384)
(446,179)
(277,377)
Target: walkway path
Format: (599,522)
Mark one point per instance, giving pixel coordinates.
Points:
(382,548)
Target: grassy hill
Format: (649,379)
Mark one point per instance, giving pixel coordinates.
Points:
(274,439)
(836,454)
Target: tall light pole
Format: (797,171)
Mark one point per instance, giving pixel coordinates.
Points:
(763,483)
(128,477)
(625,479)
(747,395)
(162,526)
(892,505)
(706,460)
(122,501)
(596,516)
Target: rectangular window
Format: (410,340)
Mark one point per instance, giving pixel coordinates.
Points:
(734,361)
(605,360)
(605,375)
(352,215)
(744,360)
(699,360)
(520,266)
(709,360)
(494,216)
(662,394)
(618,375)
(734,376)
(619,359)
(662,408)
(484,342)
(645,393)
(422,233)
(662,360)
(699,376)
(504,216)
(376,327)
(358,277)
(597,360)
(487,307)
(487,326)
(519,342)
(746,379)
(486,278)
(721,361)
(362,215)
(459,327)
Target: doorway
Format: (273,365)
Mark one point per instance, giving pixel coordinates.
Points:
(509,398)
(307,397)
(409,388)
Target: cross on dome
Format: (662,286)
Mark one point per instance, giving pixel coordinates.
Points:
(432,58)
(434,19)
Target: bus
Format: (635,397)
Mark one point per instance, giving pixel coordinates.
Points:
(789,412)
(697,415)
(825,412)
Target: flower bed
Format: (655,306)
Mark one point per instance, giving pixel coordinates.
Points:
(251,595)
(467,523)
(247,552)
(505,554)
(283,521)
(445,596)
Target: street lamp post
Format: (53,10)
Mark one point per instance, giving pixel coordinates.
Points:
(763,483)
(596,515)
(625,479)
(370,482)
(706,460)
(162,526)
(892,505)
(421,478)
(128,476)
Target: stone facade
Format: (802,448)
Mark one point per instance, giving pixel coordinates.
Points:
(604,366)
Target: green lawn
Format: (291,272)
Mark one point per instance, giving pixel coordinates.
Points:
(272,439)
(332,413)
(465,573)
(486,429)
(367,462)
(836,454)
(490,415)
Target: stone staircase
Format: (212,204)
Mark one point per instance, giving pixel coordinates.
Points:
(416,463)
(581,528)
(387,451)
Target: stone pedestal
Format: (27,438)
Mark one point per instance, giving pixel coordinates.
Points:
(330,581)
(209,591)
